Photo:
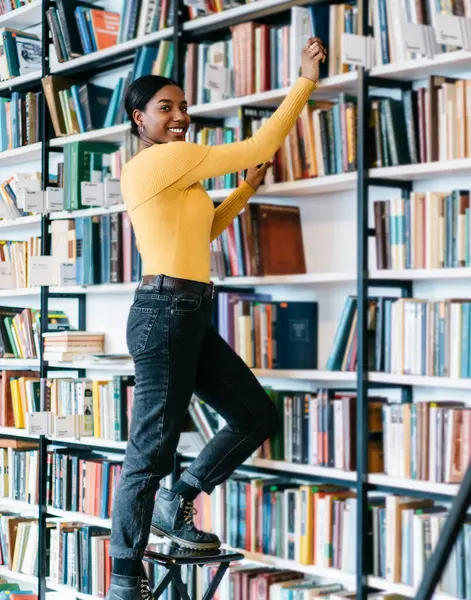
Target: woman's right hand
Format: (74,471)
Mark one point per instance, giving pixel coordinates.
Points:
(313,54)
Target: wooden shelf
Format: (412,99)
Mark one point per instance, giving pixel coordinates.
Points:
(23,17)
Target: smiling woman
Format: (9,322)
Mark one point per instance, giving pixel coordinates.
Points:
(175,350)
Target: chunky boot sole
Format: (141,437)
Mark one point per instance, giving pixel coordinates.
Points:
(185,543)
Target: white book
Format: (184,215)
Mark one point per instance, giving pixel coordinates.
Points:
(301,30)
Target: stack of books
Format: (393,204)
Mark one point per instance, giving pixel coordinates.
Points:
(72,345)
(13,113)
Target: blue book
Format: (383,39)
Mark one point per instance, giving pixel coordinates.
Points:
(74,90)
(320,18)
(465,312)
(83,29)
(145,61)
(335,359)
(80,249)
(114,102)
(3,125)
(15,101)
(105,492)
(338,138)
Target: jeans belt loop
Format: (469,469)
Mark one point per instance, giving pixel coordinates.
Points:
(159,282)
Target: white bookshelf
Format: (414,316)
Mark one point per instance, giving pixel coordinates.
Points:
(20,222)
(116,51)
(402,589)
(24,154)
(18,577)
(19,292)
(23,17)
(17,505)
(69,593)
(21,433)
(107,134)
(13,82)
(87,212)
(19,363)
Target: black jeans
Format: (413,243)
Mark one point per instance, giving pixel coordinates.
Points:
(176,351)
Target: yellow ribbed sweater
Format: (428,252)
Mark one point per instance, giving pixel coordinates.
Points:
(173,217)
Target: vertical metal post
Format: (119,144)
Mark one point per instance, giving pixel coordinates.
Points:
(45,249)
(438,561)
(82,312)
(362,324)
(178,44)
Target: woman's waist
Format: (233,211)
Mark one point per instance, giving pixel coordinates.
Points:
(169,283)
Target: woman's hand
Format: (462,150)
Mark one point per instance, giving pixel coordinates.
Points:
(313,54)
(256,175)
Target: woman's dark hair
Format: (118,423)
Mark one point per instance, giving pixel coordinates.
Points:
(140,92)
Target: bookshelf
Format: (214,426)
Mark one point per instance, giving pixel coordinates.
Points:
(309,193)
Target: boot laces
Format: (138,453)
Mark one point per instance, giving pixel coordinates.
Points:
(146,593)
(189,511)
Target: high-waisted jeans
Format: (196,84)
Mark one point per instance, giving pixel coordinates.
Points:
(176,352)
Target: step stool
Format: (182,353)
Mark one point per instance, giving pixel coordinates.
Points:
(173,557)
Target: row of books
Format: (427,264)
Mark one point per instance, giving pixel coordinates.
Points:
(427,440)
(405,532)
(11,206)
(104,407)
(19,543)
(267,334)
(19,394)
(429,230)
(21,52)
(19,120)
(103,248)
(408,336)
(265,239)
(7,6)
(16,255)
(19,472)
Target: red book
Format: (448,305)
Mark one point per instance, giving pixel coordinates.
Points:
(105,27)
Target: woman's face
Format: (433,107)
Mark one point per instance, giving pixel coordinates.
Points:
(165,118)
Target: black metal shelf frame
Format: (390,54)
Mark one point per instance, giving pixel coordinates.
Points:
(365,84)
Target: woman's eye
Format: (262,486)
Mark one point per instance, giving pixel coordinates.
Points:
(165,108)
(184,109)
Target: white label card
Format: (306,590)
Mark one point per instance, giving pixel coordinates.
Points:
(420,39)
(66,427)
(92,193)
(54,199)
(39,423)
(113,192)
(358,50)
(453,31)
(196,4)
(7,279)
(20,189)
(42,270)
(34,201)
(67,274)
(216,78)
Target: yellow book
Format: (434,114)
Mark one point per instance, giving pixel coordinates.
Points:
(18,414)
(307,524)
(97,407)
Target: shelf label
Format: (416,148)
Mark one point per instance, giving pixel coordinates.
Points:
(20,190)
(34,201)
(92,193)
(113,192)
(196,4)
(217,78)
(453,31)
(420,39)
(358,50)
(42,270)
(67,274)
(54,199)
(7,279)
(39,423)
(66,427)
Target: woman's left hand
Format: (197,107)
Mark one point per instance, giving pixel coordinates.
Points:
(256,175)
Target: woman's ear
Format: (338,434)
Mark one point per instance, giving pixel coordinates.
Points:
(138,117)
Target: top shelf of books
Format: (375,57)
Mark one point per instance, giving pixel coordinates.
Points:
(22,18)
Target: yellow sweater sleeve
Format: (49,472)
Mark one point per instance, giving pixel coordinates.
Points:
(226,212)
(230,158)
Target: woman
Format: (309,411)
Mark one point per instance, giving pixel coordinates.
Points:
(174,348)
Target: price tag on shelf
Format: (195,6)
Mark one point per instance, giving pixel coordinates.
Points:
(39,423)
(54,199)
(420,39)
(34,201)
(7,279)
(453,31)
(92,194)
(67,274)
(216,78)
(42,270)
(358,50)
(66,427)
(113,192)
(20,189)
